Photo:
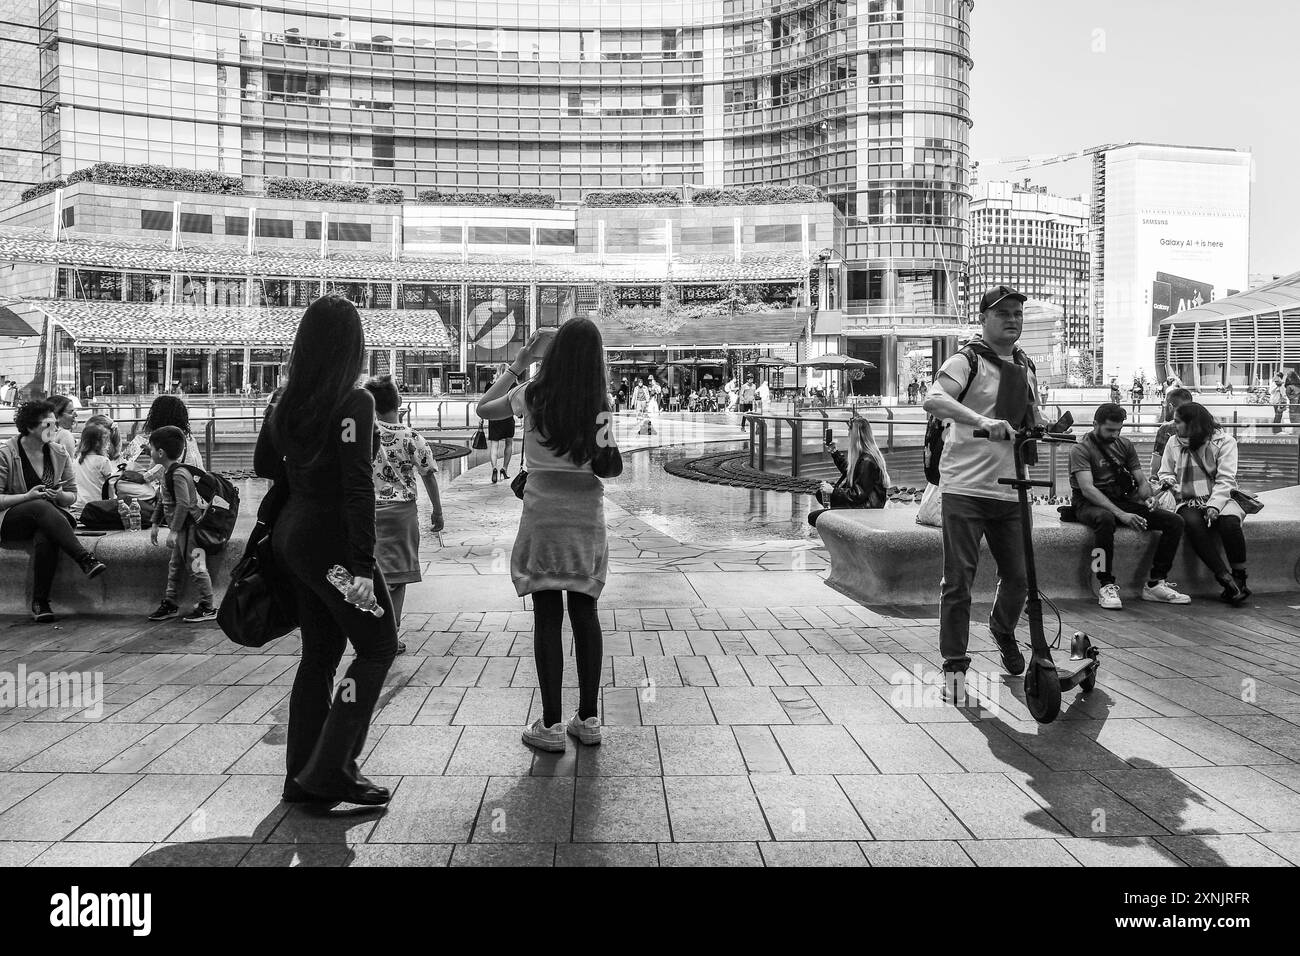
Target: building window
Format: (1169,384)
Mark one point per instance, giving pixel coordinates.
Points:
(275,228)
(499,235)
(69,215)
(237,225)
(156,219)
(195,222)
(778,232)
(340,231)
(555,237)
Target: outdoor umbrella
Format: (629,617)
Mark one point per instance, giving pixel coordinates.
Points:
(699,360)
(632,363)
(836,362)
(768,361)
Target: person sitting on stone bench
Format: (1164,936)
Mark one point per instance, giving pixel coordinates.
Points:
(1109,488)
(864,479)
(37,486)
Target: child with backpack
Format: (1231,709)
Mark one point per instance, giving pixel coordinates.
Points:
(181,509)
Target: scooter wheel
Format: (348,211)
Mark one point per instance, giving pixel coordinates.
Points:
(1042,690)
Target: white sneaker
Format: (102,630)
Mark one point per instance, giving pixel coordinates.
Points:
(587,731)
(1164,593)
(954,688)
(1109,597)
(545,738)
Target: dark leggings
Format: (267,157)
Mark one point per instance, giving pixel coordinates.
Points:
(548,647)
(1204,539)
(328,729)
(47,528)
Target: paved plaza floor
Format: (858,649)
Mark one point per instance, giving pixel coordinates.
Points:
(752,716)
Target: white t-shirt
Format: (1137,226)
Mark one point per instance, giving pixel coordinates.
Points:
(91,475)
(970,465)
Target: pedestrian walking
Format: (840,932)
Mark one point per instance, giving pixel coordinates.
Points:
(501,440)
(319,439)
(561,545)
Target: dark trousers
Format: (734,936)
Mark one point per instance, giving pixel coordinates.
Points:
(967,520)
(47,528)
(327,730)
(548,649)
(1277,416)
(1204,539)
(1102,523)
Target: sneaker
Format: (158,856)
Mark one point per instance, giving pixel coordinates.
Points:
(91,567)
(1013,660)
(166,611)
(1164,592)
(201,613)
(41,612)
(1239,577)
(545,738)
(587,731)
(1109,597)
(401,647)
(494,476)
(1232,591)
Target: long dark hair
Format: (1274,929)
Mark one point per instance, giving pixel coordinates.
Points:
(325,364)
(167,410)
(570,391)
(1201,425)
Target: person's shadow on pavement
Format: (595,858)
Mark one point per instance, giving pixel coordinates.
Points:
(1096,794)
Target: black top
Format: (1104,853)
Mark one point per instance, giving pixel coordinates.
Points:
(866,490)
(338,480)
(29,473)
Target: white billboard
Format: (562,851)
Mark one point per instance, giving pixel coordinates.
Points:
(1177,235)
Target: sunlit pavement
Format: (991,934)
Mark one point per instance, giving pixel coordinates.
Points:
(752,716)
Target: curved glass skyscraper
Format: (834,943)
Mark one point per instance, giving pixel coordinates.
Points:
(865,99)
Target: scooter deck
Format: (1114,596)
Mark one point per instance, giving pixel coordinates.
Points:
(1070,672)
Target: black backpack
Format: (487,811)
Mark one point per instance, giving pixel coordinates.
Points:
(214,527)
(932,448)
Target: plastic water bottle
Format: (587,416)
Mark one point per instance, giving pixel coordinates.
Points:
(135,515)
(342,581)
(124,512)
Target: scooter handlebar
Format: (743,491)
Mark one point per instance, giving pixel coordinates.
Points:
(983,433)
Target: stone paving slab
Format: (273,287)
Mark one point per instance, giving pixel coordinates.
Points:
(751,717)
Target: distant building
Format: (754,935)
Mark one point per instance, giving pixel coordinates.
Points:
(1171,231)
(1025,237)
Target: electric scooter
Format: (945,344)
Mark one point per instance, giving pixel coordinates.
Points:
(1045,680)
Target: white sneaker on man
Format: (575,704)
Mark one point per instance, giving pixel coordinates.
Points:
(543,737)
(587,731)
(1109,597)
(1164,592)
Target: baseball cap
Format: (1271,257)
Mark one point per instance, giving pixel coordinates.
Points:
(997,294)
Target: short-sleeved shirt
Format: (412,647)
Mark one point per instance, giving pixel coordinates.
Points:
(537,457)
(970,465)
(403,453)
(1087,455)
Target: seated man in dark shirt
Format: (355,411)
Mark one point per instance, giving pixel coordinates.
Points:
(1109,488)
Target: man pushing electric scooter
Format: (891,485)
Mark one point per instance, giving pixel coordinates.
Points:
(983,433)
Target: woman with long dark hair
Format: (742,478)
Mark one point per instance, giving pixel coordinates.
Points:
(561,542)
(319,439)
(165,410)
(1200,467)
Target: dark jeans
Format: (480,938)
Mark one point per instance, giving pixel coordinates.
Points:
(49,532)
(548,649)
(1205,539)
(1102,522)
(1277,416)
(325,738)
(967,520)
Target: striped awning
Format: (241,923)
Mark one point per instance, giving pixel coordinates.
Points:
(132,324)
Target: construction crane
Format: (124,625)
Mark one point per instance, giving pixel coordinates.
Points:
(1028,162)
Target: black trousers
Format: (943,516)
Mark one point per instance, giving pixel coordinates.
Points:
(548,649)
(327,729)
(1102,522)
(47,528)
(1204,539)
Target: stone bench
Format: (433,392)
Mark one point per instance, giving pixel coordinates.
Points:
(885,557)
(133,584)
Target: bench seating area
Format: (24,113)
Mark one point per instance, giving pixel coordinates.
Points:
(133,584)
(885,557)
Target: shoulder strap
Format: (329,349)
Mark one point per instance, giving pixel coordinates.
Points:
(970,352)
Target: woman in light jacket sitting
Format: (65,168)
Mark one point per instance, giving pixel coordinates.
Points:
(1200,467)
(864,479)
(37,486)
